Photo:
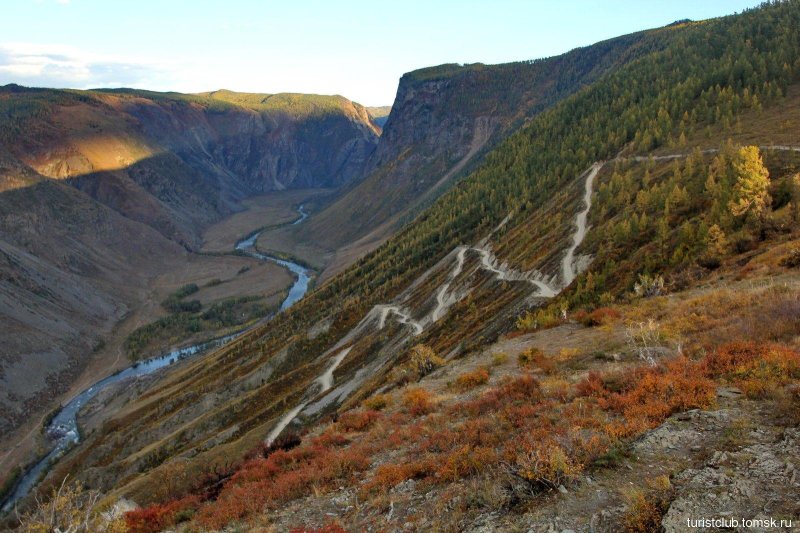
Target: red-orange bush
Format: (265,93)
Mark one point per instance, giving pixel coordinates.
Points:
(649,395)
(418,401)
(472,379)
(598,317)
(465,461)
(388,475)
(534,357)
(753,367)
(160,516)
(284,476)
(511,391)
(377,402)
(357,420)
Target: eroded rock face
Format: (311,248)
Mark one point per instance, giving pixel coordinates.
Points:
(265,150)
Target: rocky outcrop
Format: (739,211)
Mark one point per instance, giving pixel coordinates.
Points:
(752,488)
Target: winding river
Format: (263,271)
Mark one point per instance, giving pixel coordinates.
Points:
(63,432)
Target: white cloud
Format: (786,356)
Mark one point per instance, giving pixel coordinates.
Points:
(47,65)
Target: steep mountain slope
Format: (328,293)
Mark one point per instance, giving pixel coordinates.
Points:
(101,191)
(488,255)
(71,268)
(442,120)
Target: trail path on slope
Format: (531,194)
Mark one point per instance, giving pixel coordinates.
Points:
(568,263)
(385,310)
(442,298)
(324,382)
(777,147)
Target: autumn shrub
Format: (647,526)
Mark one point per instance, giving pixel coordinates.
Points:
(69,508)
(418,401)
(465,461)
(557,388)
(642,515)
(543,465)
(792,259)
(161,516)
(499,358)
(424,360)
(646,396)
(756,368)
(377,402)
(646,508)
(282,477)
(648,286)
(470,380)
(510,391)
(357,420)
(388,475)
(534,357)
(541,318)
(787,404)
(329,439)
(598,317)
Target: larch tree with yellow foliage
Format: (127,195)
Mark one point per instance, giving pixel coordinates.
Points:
(751,192)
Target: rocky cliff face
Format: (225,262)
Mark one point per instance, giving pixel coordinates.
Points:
(278,152)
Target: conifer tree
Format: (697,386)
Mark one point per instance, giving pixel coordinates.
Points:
(751,191)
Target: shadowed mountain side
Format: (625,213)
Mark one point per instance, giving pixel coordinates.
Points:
(165,192)
(69,267)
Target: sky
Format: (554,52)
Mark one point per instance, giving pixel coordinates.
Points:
(355,48)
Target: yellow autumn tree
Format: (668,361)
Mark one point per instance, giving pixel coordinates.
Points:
(751,191)
(716,241)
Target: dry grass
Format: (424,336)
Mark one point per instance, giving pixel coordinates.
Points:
(759,310)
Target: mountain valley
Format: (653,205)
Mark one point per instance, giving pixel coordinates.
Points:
(551,295)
